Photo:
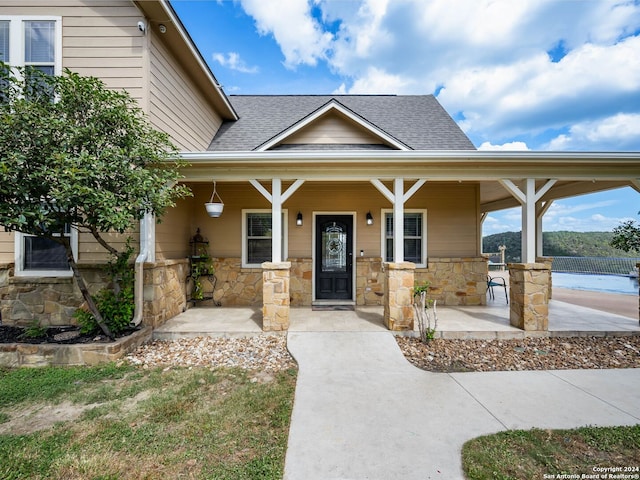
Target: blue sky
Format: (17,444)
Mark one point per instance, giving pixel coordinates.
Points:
(515,75)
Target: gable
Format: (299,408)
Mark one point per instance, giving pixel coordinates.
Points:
(333,128)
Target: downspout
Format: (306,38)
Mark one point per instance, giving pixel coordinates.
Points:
(147,254)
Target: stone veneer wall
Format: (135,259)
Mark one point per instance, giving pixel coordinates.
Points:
(369,281)
(165,290)
(48,300)
(301,281)
(52,301)
(276,295)
(456,281)
(236,286)
(529,294)
(398,291)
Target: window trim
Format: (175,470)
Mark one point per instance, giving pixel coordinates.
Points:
(285,235)
(17,59)
(383,234)
(19,257)
(16,38)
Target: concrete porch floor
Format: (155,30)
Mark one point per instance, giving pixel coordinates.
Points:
(480,322)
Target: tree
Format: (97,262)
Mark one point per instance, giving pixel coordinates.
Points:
(626,236)
(74,153)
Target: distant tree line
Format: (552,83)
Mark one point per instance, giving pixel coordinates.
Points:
(558,244)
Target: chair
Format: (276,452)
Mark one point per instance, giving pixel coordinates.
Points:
(496,282)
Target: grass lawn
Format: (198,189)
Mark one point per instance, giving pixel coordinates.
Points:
(532,454)
(124,422)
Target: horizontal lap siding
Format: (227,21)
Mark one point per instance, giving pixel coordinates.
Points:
(6,247)
(452,209)
(101,39)
(176,104)
(452,218)
(175,230)
(89,251)
(332,129)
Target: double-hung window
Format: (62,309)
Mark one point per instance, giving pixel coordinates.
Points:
(414,237)
(36,42)
(257,232)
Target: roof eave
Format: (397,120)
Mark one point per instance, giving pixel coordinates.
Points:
(194,57)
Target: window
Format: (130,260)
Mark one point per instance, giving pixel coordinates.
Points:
(32,42)
(256,237)
(36,42)
(415,244)
(42,257)
(4,41)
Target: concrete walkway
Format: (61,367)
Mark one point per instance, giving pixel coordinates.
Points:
(362,411)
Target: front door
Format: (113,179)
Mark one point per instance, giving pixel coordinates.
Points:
(334,257)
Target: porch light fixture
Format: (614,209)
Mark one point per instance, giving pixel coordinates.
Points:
(299,219)
(369,218)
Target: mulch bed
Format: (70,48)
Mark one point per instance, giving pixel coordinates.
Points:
(55,335)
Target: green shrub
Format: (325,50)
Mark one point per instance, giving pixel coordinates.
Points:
(115,304)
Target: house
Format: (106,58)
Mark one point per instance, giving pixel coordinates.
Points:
(327,198)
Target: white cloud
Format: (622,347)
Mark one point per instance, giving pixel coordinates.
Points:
(535,93)
(300,37)
(488,60)
(509,146)
(619,132)
(233,61)
(377,81)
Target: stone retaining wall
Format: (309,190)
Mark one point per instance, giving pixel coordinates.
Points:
(21,354)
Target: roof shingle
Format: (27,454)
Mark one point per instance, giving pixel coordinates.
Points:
(417,121)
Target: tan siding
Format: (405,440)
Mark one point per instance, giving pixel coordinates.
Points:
(452,222)
(99,38)
(332,129)
(89,251)
(176,105)
(452,226)
(175,230)
(6,247)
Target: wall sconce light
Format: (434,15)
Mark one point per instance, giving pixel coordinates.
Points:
(369,218)
(299,219)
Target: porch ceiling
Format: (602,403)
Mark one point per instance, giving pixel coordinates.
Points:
(576,173)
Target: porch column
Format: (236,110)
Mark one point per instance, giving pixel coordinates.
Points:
(398,199)
(528,200)
(275,296)
(276,198)
(541,209)
(398,295)
(529,294)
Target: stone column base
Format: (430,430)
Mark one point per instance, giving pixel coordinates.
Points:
(398,295)
(529,294)
(275,296)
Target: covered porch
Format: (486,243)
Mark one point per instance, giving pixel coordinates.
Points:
(491,321)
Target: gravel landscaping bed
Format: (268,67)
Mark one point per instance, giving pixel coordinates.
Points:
(527,354)
(263,352)
(269,353)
